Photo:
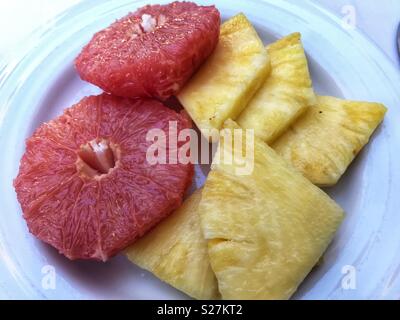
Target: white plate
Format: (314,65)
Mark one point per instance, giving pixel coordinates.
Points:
(36,86)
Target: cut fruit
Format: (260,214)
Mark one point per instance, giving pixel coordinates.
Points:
(151,52)
(226,82)
(286,93)
(265,230)
(85,184)
(176,252)
(323,142)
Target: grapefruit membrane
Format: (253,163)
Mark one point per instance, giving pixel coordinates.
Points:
(85,185)
(151,52)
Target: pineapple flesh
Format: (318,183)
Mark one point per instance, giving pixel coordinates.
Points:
(323,142)
(176,252)
(226,82)
(286,93)
(265,230)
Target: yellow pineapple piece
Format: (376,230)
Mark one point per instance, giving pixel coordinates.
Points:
(176,252)
(226,82)
(265,230)
(286,93)
(323,142)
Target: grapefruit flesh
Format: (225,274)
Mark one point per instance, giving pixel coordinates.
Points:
(85,185)
(151,52)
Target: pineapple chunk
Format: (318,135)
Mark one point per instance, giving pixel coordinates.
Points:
(285,95)
(265,230)
(176,252)
(323,142)
(226,82)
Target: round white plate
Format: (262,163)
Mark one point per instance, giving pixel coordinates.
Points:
(38,84)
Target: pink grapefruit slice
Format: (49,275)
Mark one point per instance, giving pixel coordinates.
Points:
(85,185)
(151,52)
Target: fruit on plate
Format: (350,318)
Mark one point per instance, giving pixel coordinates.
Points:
(151,52)
(229,78)
(286,93)
(265,230)
(85,184)
(176,252)
(324,141)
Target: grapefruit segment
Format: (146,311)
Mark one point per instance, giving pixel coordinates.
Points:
(37,172)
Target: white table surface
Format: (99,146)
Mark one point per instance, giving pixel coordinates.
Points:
(377,19)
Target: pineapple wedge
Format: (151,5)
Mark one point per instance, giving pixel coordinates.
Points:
(265,230)
(226,82)
(286,93)
(176,252)
(323,142)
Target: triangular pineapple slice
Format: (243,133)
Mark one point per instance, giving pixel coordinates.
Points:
(323,142)
(226,82)
(176,252)
(265,230)
(286,93)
